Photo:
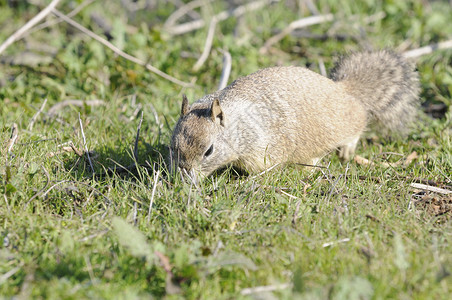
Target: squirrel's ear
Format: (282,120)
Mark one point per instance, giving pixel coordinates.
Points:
(184,108)
(216,112)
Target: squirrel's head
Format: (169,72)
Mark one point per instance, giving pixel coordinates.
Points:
(197,144)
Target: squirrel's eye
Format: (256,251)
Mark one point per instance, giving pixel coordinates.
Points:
(209,151)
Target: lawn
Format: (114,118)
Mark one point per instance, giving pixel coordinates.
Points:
(87,209)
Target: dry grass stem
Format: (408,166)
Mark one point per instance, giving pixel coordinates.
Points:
(288,195)
(409,159)
(207,46)
(295,216)
(12,140)
(10,273)
(344,240)
(76,150)
(428,49)
(311,165)
(70,148)
(311,6)
(265,171)
(53,22)
(197,24)
(430,188)
(80,103)
(151,203)
(33,119)
(322,67)
(265,289)
(119,51)
(135,149)
(156,116)
(36,19)
(226,71)
(183,10)
(305,22)
(89,267)
(84,143)
(363,161)
(89,237)
(135,112)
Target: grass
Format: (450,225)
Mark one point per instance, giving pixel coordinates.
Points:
(349,231)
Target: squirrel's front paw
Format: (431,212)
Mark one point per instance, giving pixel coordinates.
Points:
(347,150)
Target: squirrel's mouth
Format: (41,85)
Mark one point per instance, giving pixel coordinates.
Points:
(192,176)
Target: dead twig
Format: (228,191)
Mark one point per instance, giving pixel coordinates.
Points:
(344,240)
(322,68)
(156,177)
(52,22)
(76,150)
(238,11)
(183,10)
(70,148)
(135,112)
(364,161)
(133,5)
(333,187)
(295,214)
(265,171)
(79,103)
(164,261)
(207,46)
(288,195)
(226,71)
(305,22)
(135,150)
(311,166)
(408,160)
(13,138)
(311,6)
(427,49)
(119,51)
(89,237)
(36,19)
(33,119)
(156,116)
(10,273)
(84,143)
(170,288)
(63,149)
(430,188)
(265,289)
(89,268)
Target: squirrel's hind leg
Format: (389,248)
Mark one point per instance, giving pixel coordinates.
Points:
(347,150)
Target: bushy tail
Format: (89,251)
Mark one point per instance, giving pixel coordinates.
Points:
(385,83)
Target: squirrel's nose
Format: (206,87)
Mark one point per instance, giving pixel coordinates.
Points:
(183,165)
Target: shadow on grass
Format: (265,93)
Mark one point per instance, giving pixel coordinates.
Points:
(111,162)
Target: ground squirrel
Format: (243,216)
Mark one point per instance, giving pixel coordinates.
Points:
(282,115)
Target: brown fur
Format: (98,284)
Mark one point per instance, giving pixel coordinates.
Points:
(285,115)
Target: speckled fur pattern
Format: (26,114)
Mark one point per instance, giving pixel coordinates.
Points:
(385,83)
(283,115)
